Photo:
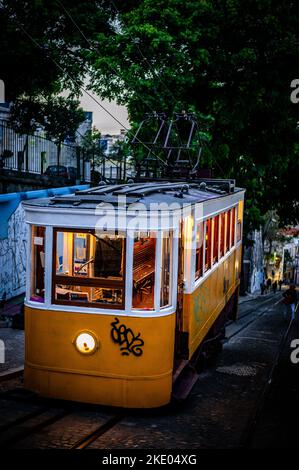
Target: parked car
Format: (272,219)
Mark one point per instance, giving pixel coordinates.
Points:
(68,172)
(72,173)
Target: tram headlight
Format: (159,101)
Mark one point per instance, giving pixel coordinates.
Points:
(86,343)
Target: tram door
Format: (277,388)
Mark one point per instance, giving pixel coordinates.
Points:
(181,340)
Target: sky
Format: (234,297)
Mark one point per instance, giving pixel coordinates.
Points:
(101,120)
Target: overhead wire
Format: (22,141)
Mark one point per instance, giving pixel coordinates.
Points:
(200,141)
(146,60)
(112,68)
(150,66)
(150,150)
(75,81)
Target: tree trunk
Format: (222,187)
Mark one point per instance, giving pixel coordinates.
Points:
(26,153)
(58,155)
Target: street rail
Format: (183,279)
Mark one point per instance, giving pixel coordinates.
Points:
(259,315)
(249,430)
(87,440)
(52,412)
(45,407)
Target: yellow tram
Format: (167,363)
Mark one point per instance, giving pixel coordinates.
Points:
(127,286)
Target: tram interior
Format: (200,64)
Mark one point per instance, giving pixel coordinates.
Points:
(101,260)
(90,268)
(144,272)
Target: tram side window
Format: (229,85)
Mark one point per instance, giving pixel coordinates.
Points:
(166,268)
(232,243)
(228,226)
(208,246)
(239,229)
(37,285)
(222,234)
(239,220)
(89,268)
(199,251)
(144,258)
(215,239)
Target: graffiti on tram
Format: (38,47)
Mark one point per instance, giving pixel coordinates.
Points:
(129,342)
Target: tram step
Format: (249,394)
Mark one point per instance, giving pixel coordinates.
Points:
(178,368)
(184,383)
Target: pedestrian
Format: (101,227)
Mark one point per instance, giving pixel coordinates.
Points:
(280,282)
(274,287)
(290,300)
(269,282)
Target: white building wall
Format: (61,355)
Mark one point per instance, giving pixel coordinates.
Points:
(257,275)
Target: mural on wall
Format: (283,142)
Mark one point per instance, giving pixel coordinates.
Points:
(13,256)
(13,237)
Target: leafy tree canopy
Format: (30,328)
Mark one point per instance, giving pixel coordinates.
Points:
(60,117)
(91,145)
(230,60)
(28,64)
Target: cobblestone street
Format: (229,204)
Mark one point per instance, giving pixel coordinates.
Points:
(217,414)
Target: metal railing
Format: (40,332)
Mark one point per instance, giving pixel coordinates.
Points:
(35,153)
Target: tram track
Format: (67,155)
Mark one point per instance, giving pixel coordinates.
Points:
(35,428)
(251,425)
(51,412)
(25,426)
(27,431)
(23,433)
(22,419)
(22,427)
(89,438)
(257,316)
(249,312)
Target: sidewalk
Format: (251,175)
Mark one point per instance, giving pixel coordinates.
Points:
(13,339)
(10,308)
(249,297)
(13,349)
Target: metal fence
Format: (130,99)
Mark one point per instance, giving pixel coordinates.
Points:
(35,153)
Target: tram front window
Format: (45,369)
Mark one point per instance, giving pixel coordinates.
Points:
(144,256)
(37,285)
(89,268)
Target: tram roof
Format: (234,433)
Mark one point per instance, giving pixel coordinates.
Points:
(147,193)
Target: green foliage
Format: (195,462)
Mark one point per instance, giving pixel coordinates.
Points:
(28,68)
(60,117)
(120,151)
(231,60)
(91,146)
(26,115)
(287,257)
